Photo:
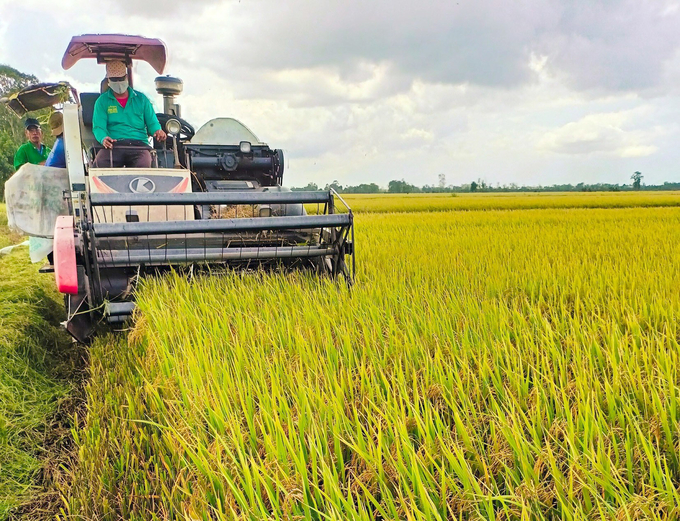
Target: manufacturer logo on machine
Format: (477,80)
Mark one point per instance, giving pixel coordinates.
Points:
(142,185)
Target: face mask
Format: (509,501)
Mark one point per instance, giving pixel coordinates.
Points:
(119,86)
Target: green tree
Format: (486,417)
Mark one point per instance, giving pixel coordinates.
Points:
(363,188)
(335,186)
(311,187)
(401,187)
(473,186)
(637,180)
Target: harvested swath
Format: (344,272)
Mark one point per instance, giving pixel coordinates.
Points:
(493,365)
(38,371)
(231,211)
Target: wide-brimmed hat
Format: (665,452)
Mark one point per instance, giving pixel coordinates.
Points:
(31,122)
(57,123)
(115,69)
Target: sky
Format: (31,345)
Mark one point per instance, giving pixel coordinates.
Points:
(531,92)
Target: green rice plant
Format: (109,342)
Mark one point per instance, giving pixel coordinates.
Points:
(485,365)
(7,237)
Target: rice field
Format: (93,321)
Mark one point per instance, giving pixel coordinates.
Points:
(486,365)
(379,203)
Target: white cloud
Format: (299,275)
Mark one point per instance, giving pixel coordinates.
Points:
(607,133)
(521,91)
(638,150)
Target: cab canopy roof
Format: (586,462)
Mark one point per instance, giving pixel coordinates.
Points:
(110,47)
(39,96)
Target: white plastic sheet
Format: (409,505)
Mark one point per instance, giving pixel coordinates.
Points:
(8,249)
(35,198)
(39,248)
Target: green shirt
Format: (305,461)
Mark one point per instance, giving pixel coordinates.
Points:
(27,153)
(137,120)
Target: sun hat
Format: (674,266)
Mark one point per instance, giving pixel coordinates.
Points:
(57,123)
(115,69)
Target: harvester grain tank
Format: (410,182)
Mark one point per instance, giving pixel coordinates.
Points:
(213,196)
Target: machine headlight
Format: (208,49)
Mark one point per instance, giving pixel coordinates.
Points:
(265,211)
(172,126)
(245,147)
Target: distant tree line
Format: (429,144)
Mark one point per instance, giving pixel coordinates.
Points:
(403,187)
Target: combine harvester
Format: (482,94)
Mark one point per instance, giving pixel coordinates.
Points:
(214,196)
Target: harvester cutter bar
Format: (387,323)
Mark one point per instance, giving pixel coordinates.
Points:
(243,224)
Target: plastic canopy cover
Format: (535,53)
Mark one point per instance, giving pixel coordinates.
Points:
(105,47)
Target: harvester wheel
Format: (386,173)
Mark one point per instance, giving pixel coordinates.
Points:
(80,324)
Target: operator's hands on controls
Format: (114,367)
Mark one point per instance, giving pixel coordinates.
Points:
(159,135)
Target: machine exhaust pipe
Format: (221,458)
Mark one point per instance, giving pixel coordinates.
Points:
(169,87)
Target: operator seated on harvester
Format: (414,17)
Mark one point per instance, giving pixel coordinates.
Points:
(122,122)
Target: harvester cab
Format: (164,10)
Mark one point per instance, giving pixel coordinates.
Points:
(212,196)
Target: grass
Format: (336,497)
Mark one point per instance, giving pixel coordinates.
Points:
(37,363)
(486,365)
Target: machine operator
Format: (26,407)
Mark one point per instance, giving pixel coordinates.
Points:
(124,118)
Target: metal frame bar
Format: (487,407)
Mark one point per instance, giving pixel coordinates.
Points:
(72,147)
(242,224)
(210,198)
(351,229)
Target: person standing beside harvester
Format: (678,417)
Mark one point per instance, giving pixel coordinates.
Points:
(57,157)
(34,151)
(124,117)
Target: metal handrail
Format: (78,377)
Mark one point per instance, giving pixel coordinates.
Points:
(209,198)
